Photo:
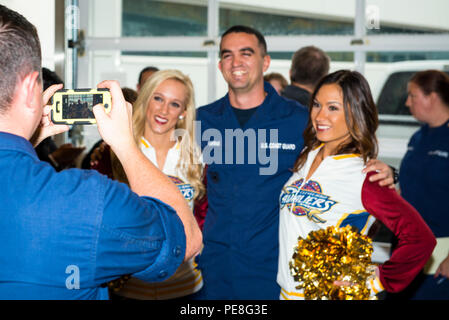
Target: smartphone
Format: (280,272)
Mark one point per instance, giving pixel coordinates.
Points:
(75,106)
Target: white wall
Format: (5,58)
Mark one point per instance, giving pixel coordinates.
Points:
(406,13)
(41,13)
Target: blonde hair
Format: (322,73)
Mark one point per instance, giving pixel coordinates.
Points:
(189,162)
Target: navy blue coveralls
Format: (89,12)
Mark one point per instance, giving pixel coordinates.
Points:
(424,182)
(240,255)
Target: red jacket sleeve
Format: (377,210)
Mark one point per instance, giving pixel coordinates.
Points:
(201,205)
(415,239)
(104,164)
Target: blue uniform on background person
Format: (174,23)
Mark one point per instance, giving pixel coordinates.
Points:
(424,177)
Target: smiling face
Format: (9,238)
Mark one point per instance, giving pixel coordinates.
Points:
(167,103)
(328,116)
(242,62)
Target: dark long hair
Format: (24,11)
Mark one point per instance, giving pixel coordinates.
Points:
(360,114)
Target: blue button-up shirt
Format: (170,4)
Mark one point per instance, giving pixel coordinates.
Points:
(63,235)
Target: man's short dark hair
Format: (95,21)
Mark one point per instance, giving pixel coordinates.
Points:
(146,69)
(249,30)
(309,65)
(20,53)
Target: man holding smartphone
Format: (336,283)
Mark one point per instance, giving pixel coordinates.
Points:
(64,234)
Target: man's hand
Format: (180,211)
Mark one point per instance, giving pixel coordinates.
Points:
(115,127)
(443,268)
(47,128)
(384,173)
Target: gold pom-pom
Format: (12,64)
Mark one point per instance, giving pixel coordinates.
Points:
(332,254)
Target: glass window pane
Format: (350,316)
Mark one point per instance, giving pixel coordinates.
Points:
(383,17)
(384,29)
(278,24)
(393,73)
(142,18)
(393,95)
(334,56)
(405,56)
(166,54)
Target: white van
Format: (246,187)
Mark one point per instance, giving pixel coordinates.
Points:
(389,85)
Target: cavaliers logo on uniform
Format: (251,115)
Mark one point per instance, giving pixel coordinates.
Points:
(185,188)
(306,200)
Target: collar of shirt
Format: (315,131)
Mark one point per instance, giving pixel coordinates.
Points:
(171,159)
(146,144)
(263,112)
(13,142)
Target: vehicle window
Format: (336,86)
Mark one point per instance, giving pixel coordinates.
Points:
(393,95)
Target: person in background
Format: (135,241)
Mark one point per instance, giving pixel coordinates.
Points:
(145,74)
(339,140)
(239,259)
(309,65)
(164,128)
(67,233)
(277,80)
(129,94)
(424,177)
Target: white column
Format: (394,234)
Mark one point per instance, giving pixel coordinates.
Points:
(212,33)
(359,33)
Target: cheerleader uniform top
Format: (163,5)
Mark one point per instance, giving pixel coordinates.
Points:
(187,279)
(339,194)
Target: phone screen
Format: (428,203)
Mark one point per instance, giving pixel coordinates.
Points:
(79,106)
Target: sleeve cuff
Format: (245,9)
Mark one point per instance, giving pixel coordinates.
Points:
(172,250)
(375,285)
